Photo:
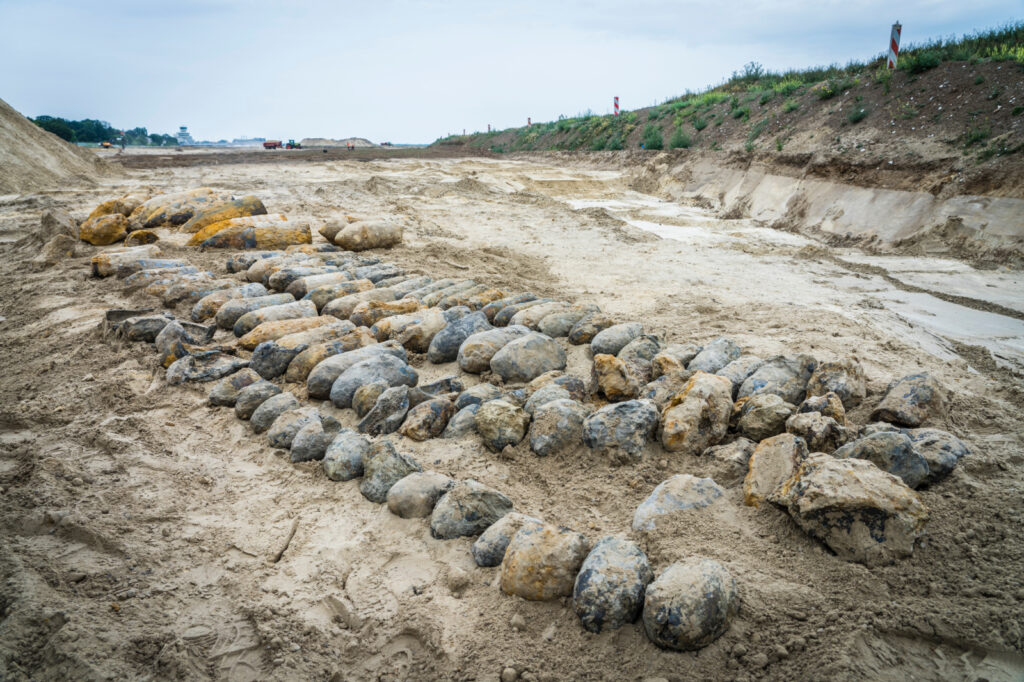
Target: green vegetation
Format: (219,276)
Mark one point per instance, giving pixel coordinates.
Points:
(976,135)
(857,114)
(652,137)
(755,132)
(776,93)
(679,140)
(91,130)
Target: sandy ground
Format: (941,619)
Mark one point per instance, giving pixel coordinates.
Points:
(138,523)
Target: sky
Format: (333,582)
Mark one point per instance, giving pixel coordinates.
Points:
(412,71)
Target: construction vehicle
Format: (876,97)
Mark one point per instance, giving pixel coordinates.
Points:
(272,144)
(106,145)
(292,144)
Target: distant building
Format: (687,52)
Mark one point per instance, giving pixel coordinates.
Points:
(248,141)
(184,137)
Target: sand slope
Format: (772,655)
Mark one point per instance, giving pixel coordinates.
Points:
(32,159)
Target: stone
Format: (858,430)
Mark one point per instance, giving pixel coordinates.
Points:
(434,298)
(785,376)
(445,386)
(444,347)
(862,513)
(364,234)
(845,378)
(500,424)
(104,230)
(673,358)
(57,249)
(415,496)
(829,405)
(665,387)
(192,290)
(476,395)
(640,352)
(243,261)
(541,562)
(621,431)
(730,462)
(560,323)
(272,357)
(891,452)
(388,412)
(715,356)
(365,397)
(312,440)
(311,356)
(231,310)
(574,385)
(772,464)
(821,433)
(270,409)
(698,416)
(384,466)
(489,548)
(615,379)
(207,365)
(345,456)
(545,395)
(762,416)
(428,419)
(419,292)
(531,316)
(493,308)
(223,210)
(285,311)
(680,493)
(557,425)
(517,397)
(489,295)
(911,400)
(302,287)
(476,352)
(940,449)
(323,375)
(613,339)
(462,423)
(589,326)
(282,432)
(525,358)
(690,604)
(610,587)
(467,509)
(454,314)
(739,369)
(878,427)
(252,396)
(225,391)
(380,367)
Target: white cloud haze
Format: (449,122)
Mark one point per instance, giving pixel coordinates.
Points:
(410,71)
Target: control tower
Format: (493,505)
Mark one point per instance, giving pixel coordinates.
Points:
(184,137)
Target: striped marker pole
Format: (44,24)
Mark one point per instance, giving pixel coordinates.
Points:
(894,45)
(616,105)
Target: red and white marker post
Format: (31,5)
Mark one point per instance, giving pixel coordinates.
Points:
(894,44)
(616,105)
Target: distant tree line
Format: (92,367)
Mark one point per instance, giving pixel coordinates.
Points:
(91,130)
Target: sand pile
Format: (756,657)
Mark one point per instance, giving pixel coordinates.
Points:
(32,159)
(358,142)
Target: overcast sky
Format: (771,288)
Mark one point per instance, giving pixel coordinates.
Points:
(409,71)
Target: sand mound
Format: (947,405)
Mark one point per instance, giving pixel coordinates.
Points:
(358,142)
(32,159)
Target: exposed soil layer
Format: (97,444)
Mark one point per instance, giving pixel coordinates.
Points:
(140,526)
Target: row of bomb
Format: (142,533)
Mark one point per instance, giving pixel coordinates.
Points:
(693,415)
(216,219)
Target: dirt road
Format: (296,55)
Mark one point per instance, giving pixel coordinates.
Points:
(139,523)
